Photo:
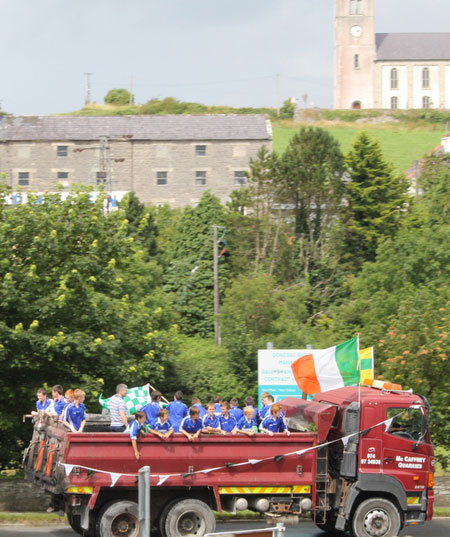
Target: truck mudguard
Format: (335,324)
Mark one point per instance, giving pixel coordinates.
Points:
(376,483)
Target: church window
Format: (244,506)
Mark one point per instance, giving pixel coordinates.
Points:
(426,102)
(394,103)
(425,78)
(394,78)
(352,7)
(356,61)
(359,7)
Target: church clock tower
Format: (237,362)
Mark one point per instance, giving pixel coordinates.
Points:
(354,53)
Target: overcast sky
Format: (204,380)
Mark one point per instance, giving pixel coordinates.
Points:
(214,52)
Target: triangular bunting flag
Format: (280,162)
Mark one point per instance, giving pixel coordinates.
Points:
(254,461)
(162,479)
(68,468)
(210,470)
(388,423)
(114,478)
(345,439)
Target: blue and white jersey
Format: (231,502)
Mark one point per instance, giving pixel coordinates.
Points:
(274,425)
(202,410)
(244,423)
(264,410)
(227,424)
(236,412)
(59,405)
(218,411)
(43,405)
(75,415)
(134,429)
(157,425)
(191,426)
(151,410)
(177,411)
(210,422)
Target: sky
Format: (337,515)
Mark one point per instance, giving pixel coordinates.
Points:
(230,52)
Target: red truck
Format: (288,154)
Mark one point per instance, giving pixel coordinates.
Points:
(359,459)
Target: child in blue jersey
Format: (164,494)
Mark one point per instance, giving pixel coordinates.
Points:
(217,401)
(161,426)
(191,426)
(177,410)
(43,403)
(247,424)
(196,402)
(136,429)
(210,422)
(152,409)
(268,401)
(75,416)
(226,420)
(249,401)
(58,399)
(235,411)
(274,422)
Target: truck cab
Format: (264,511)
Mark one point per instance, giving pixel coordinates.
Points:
(385,472)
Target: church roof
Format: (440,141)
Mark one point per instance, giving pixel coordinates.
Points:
(413,46)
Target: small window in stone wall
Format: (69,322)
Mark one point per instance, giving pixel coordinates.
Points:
(425,78)
(62,175)
(24,178)
(200,178)
(62,150)
(239,178)
(426,102)
(200,150)
(394,103)
(161,178)
(101,178)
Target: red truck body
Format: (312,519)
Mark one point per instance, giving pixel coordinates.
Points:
(375,481)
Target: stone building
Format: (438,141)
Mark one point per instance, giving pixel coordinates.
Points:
(387,70)
(163,159)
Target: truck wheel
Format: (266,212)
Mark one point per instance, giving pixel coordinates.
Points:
(376,517)
(189,517)
(118,519)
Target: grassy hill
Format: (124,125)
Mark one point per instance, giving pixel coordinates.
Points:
(401,145)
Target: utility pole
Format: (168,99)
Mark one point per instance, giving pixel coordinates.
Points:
(278,94)
(216,287)
(88,88)
(131,90)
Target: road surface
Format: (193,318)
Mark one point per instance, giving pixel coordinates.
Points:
(439,527)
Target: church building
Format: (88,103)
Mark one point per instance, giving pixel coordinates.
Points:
(387,70)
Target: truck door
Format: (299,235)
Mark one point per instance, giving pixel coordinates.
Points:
(405,453)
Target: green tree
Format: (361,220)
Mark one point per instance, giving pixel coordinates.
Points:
(287,110)
(375,201)
(119,97)
(190,272)
(141,222)
(79,306)
(311,182)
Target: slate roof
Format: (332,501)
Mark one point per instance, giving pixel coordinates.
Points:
(145,127)
(413,46)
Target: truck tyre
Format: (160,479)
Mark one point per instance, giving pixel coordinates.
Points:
(118,519)
(376,517)
(189,517)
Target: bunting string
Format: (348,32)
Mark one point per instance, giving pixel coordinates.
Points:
(115,476)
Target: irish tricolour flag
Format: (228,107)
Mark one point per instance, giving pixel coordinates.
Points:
(327,369)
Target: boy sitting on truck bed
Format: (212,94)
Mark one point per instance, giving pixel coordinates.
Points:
(136,428)
(226,420)
(191,425)
(161,426)
(274,422)
(247,424)
(210,422)
(177,410)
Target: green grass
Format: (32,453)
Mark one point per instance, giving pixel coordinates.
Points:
(401,146)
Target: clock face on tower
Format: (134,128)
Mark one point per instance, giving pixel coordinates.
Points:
(356,31)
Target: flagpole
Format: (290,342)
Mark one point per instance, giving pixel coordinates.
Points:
(162,396)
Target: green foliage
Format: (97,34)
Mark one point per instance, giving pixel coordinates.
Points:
(190,272)
(287,110)
(80,306)
(375,200)
(141,223)
(119,96)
